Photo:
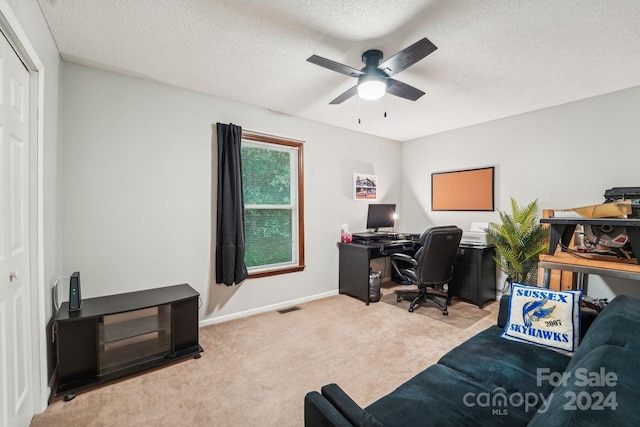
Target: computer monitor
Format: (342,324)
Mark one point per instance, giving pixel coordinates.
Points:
(381,215)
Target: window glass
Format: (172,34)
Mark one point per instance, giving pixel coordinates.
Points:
(266,175)
(271,169)
(269,237)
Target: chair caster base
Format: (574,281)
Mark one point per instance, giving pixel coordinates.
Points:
(398,299)
(410,309)
(445,313)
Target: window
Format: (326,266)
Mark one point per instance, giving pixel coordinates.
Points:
(272,180)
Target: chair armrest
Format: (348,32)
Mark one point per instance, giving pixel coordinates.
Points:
(347,407)
(319,412)
(404,258)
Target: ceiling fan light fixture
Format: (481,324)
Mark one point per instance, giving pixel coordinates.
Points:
(375,78)
(371,89)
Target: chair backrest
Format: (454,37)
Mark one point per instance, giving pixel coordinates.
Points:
(437,255)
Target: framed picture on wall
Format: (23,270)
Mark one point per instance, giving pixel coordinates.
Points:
(365,187)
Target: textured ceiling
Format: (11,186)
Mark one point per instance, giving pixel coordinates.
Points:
(495,58)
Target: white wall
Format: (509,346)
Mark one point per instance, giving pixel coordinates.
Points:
(137,190)
(565,156)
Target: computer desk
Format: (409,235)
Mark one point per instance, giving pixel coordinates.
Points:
(474,274)
(355,260)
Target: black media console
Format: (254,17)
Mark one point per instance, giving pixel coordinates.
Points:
(118,335)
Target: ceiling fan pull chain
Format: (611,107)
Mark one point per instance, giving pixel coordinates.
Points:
(385,107)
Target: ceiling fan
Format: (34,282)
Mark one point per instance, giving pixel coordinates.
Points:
(374,80)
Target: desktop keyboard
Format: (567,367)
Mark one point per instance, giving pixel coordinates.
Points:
(386,242)
(380,235)
(388,247)
(402,242)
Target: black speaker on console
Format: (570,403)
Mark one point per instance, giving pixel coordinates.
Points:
(75,301)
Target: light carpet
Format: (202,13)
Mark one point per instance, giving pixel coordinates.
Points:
(461,314)
(257,370)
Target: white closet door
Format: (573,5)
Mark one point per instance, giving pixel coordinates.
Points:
(16,393)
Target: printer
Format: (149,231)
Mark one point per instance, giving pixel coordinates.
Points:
(476,234)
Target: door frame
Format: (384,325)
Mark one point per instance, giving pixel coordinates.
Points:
(13,31)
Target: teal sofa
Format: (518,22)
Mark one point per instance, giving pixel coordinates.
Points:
(491,381)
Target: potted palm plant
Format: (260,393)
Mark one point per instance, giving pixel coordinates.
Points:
(519,240)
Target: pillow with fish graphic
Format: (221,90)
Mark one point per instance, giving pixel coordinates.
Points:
(544,317)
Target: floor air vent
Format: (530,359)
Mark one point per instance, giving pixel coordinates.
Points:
(288,309)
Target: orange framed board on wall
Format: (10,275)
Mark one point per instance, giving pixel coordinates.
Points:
(463,190)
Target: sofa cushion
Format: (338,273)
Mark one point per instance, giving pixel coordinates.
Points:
(508,364)
(600,385)
(442,396)
(613,325)
(544,317)
(601,389)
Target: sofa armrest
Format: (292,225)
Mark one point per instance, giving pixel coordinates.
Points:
(319,412)
(503,314)
(347,407)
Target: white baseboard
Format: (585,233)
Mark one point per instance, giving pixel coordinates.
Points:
(272,307)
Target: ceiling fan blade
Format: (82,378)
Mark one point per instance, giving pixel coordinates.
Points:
(407,57)
(334,66)
(348,94)
(403,90)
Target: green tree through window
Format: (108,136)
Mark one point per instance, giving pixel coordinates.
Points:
(272,205)
(265,175)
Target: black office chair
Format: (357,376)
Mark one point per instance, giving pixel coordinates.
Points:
(431,266)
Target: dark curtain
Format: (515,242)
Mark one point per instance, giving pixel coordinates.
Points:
(230,265)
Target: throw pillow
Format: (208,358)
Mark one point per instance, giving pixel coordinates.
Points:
(544,317)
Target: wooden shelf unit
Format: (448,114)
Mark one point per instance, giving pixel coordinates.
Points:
(560,270)
(563,261)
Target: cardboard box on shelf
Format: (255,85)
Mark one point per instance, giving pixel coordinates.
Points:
(603,210)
